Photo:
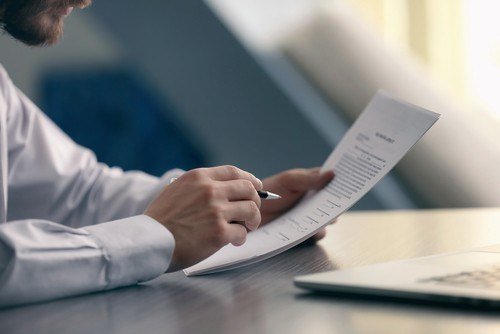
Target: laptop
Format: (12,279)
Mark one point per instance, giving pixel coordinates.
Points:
(470,277)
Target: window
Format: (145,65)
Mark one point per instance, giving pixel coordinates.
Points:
(458,40)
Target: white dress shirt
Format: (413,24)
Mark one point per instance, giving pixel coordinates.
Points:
(68,224)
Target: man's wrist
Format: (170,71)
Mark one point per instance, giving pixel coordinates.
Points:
(135,249)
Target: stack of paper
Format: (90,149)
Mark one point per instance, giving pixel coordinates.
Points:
(379,138)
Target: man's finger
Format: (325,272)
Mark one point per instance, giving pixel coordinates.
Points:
(228,173)
(237,234)
(306,179)
(240,190)
(246,212)
(323,179)
(320,235)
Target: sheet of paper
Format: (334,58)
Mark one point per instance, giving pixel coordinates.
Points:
(379,138)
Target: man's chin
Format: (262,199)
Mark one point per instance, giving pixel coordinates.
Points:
(36,26)
(34,37)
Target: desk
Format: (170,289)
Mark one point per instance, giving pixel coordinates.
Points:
(262,298)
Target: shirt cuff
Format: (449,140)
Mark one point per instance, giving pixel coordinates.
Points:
(135,249)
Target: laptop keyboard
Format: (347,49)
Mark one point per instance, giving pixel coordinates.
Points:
(488,278)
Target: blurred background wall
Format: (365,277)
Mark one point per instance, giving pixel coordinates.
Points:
(272,84)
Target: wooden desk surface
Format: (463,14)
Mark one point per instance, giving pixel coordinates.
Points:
(262,298)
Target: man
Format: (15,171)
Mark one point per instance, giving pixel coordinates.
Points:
(70,225)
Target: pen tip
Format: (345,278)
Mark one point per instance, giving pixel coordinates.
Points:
(272,196)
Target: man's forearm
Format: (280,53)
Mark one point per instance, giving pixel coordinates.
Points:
(41,260)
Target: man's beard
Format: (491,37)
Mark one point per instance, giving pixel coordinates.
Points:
(37,22)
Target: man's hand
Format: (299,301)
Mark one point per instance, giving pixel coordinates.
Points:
(206,209)
(292,185)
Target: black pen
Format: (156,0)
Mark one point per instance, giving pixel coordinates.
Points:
(267,195)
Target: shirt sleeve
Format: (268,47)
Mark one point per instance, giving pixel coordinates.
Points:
(42,260)
(75,225)
(52,178)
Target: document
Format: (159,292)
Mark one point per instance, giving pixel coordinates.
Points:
(380,137)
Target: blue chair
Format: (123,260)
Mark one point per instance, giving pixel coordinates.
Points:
(113,113)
